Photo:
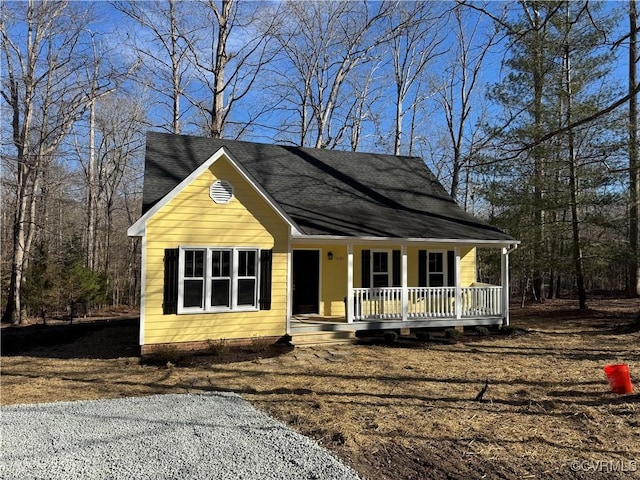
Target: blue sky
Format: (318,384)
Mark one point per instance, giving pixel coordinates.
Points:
(116,26)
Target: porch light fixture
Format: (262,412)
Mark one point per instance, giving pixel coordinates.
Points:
(330,255)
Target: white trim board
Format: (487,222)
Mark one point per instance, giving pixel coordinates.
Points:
(300,239)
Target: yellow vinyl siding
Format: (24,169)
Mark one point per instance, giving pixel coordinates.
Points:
(467,266)
(192,219)
(412,265)
(334,288)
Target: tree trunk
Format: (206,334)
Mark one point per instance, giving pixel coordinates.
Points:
(399,119)
(538,159)
(634,171)
(91,187)
(573,175)
(412,133)
(175,70)
(455,174)
(13,310)
(220,63)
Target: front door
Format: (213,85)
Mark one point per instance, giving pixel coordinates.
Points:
(306,281)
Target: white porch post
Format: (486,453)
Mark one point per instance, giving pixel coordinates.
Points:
(349,312)
(405,289)
(456,251)
(505,286)
(289,283)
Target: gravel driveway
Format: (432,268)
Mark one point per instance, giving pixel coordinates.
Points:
(205,436)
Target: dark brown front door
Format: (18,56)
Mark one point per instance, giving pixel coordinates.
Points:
(306,281)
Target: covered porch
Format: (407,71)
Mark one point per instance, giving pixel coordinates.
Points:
(372,286)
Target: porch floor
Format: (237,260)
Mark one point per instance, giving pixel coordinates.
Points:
(319,323)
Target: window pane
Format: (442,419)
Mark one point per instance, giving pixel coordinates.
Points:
(193,263)
(188,263)
(216,263)
(199,263)
(226,264)
(380,280)
(242,264)
(246,291)
(247,263)
(220,263)
(251,264)
(435,262)
(380,262)
(436,280)
(220,293)
(193,293)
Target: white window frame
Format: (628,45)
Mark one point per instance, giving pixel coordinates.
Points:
(208,278)
(182,277)
(236,277)
(445,269)
(389,267)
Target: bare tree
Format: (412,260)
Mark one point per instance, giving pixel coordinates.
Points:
(323,42)
(96,91)
(415,42)
(232,47)
(165,57)
(458,96)
(363,106)
(43,58)
(120,123)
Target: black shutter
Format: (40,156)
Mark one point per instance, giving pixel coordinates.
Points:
(366,268)
(397,268)
(265,279)
(422,268)
(451,268)
(170,296)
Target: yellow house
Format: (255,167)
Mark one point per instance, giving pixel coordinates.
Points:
(244,240)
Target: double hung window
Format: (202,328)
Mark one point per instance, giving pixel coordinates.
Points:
(246,278)
(193,278)
(381,269)
(437,269)
(217,279)
(221,278)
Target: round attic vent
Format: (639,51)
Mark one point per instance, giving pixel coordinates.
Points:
(221,191)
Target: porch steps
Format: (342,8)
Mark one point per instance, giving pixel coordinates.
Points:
(310,339)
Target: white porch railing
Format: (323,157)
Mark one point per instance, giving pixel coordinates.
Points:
(426,302)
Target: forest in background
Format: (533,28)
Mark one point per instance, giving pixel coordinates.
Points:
(526,111)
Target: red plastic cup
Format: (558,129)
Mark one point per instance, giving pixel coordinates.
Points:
(619,379)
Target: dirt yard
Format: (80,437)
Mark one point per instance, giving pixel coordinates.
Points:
(401,411)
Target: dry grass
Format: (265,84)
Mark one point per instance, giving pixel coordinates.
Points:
(406,411)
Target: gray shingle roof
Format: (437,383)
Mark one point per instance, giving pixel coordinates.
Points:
(326,192)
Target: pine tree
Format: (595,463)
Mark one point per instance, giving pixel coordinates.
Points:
(547,189)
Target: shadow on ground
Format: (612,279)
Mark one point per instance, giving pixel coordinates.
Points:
(100,339)
(116,338)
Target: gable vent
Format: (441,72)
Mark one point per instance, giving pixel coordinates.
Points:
(221,191)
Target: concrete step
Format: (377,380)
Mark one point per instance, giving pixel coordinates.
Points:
(308,339)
